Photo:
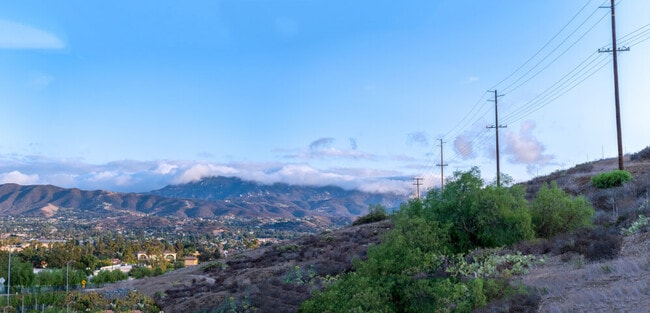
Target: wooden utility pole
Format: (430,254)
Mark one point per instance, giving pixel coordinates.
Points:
(496,127)
(442,167)
(417,183)
(614,51)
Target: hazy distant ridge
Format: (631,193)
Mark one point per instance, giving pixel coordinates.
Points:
(208,197)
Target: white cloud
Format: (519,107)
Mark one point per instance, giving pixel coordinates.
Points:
(524,148)
(387,186)
(14,35)
(198,171)
(102,176)
(17,177)
(143,176)
(165,168)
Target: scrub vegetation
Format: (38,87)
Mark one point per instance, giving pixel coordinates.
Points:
(444,254)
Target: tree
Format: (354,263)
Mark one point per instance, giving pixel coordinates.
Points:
(554,211)
(104,277)
(479,216)
(140,272)
(21,272)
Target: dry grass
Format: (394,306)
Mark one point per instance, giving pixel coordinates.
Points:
(618,285)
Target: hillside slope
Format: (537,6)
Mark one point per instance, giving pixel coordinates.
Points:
(275,278)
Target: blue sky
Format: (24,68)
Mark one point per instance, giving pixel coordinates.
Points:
(135,95)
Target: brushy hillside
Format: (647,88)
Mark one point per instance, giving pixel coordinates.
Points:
(275,278)
(604,267)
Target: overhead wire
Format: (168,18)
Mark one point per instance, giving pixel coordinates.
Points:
(583,71)
(580,73)
(507,89)
(549,97)
(558,46)
(544,46)
(473,113)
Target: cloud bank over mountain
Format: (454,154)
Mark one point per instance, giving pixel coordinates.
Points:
(142,176)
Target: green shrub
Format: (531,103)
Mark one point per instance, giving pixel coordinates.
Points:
(611,179)
(553,211)
(140,272)
(376,213)
(104,277)
(479,216)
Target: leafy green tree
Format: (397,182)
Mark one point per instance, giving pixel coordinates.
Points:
(104,277)
(88,262)
(387,281)
(554,211)
(479,216)
(140,272)
(50,277)
(21,272)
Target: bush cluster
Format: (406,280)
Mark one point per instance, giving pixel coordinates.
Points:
(424,263)
(554,212)
(104,277)
(376,213)
(593,243)
(611,179)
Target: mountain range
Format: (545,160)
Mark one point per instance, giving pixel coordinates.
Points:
(206,198)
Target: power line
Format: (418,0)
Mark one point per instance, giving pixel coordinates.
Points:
(587,68)
(546,45)
(540,100)
(476,108)
(506,89)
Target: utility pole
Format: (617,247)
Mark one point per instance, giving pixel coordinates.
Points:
(8,276)
(442,166)
(614,50)
(417,183)
(496,127)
